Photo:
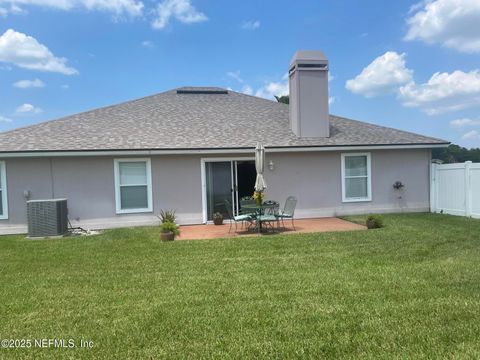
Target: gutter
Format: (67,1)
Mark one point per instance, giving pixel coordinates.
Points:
(277,149)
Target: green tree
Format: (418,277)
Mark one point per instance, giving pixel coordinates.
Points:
(283,99)
(454,154)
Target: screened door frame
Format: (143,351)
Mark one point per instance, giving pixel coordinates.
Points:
(234,181)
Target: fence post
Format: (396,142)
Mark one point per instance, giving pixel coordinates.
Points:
(433,185)
(468,190)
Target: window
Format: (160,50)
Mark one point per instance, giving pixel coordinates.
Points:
(133,185)
(356,178)
(3,192)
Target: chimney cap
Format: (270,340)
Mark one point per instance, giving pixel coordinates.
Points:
(309,56)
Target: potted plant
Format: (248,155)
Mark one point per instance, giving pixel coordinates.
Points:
(168,226)
(374,222)
(167,215)
(218,218)
(168,231)
(258,196)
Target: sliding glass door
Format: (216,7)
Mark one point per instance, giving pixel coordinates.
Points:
(219,187)
(226,183)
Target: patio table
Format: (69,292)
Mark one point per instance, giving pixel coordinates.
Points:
(258,210)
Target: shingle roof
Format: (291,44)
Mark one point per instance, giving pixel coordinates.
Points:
(170,120)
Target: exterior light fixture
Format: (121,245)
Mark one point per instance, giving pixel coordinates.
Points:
(271,165)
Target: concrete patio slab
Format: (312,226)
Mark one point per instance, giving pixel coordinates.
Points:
(210,231)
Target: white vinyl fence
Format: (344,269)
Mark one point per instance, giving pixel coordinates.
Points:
(455,189)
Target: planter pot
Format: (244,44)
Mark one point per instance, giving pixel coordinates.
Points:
(167,236)
(218,221)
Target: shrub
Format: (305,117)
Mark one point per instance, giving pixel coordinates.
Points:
(168,216)
(168,226)
(374,222)
(218,215)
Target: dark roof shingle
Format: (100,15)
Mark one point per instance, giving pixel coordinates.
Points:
(170,120)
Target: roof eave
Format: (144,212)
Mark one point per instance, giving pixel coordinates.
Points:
(233,150)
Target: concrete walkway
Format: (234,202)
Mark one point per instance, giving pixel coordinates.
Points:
(190,232)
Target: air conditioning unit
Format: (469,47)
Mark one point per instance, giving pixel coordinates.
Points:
(47,217)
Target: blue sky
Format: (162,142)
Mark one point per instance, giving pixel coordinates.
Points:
(404,64)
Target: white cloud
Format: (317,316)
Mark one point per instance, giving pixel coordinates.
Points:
(452,23)
(182,10)
(65,86)
(148,44)
(247,89)
(28,109)
(272,89)
(26,84)
(26,52)
(281,88)
(383,75)
(12,9)
(235,75)
(471,135)
(5,119)
(251,25)
(443,92)
(116,7)
(459,123)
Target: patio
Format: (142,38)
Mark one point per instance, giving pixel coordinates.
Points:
(210,231)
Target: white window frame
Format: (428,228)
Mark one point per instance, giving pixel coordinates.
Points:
(118,203)
(369,178)
(3,181)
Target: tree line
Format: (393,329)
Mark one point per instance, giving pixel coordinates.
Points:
(456,154)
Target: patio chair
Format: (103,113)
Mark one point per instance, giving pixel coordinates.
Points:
(236,219)
(269,216)
(272,210)
(269,220)
(288,210)
(244,211)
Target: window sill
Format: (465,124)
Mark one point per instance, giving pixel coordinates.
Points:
(356,200)
(134,211)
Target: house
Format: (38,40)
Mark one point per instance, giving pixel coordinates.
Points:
(190,148)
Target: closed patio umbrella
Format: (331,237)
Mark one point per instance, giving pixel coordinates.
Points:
(260,183)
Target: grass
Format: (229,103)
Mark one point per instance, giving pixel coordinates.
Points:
(408,290)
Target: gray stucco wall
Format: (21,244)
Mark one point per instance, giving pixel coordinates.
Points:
(314,178)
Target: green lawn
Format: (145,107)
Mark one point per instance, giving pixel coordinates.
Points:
(409,290)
